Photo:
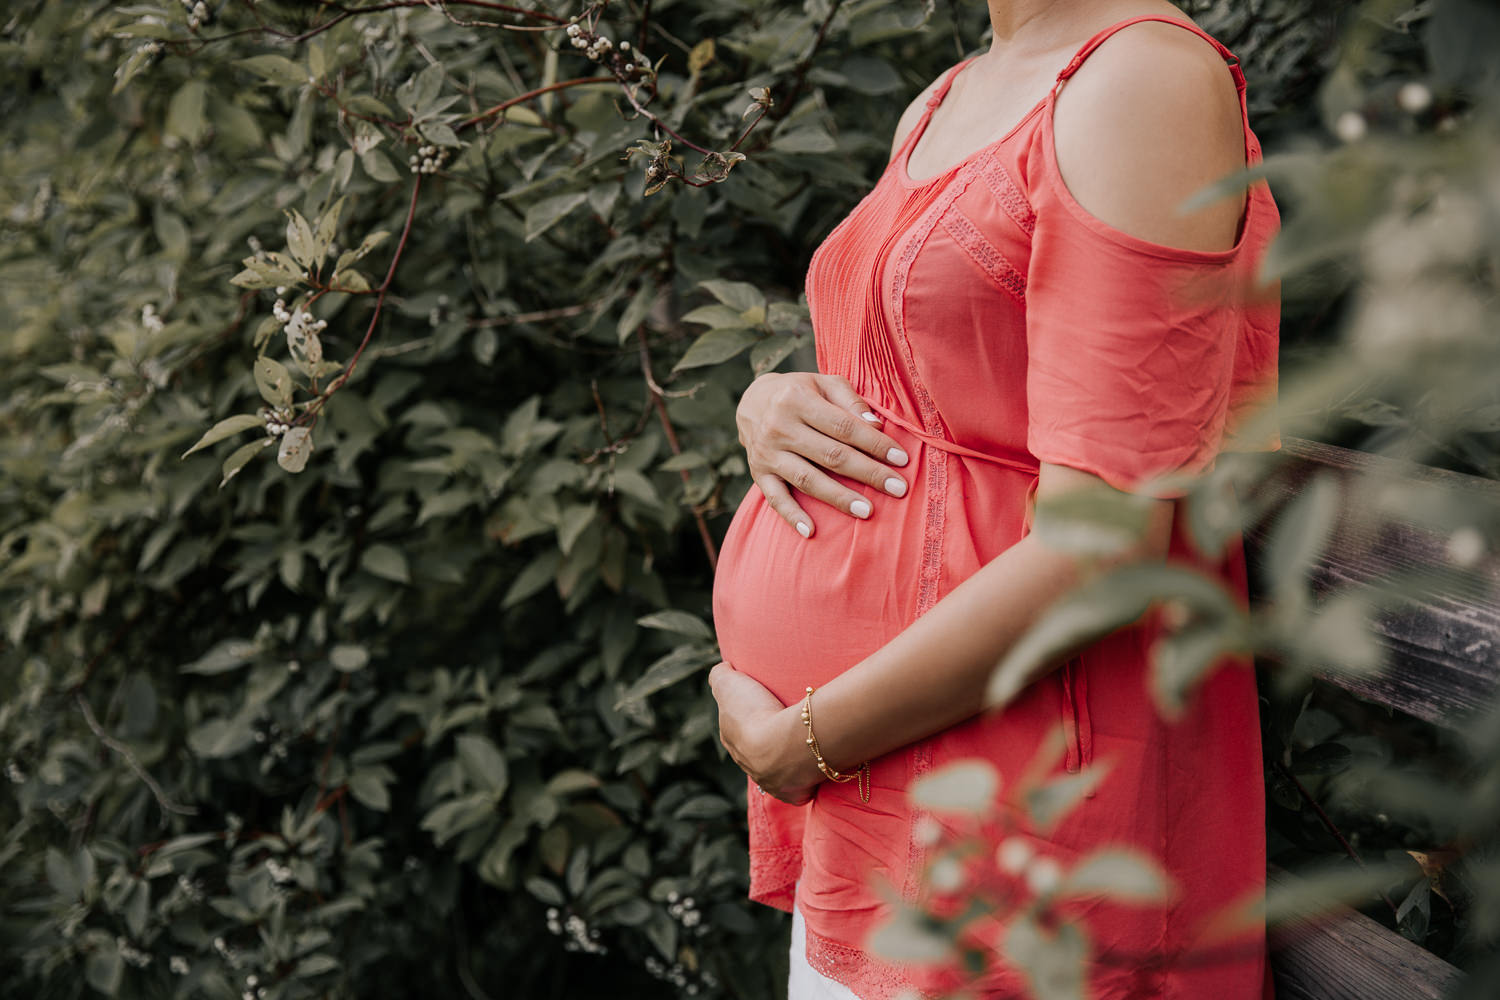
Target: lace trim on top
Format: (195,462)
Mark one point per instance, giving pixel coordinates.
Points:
(996,266)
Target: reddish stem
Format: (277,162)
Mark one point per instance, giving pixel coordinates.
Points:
(511,102)
(390,275)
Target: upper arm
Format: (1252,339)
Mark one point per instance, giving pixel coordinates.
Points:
(1156,515)
(1148,120)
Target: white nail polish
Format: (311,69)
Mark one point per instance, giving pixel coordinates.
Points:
(895,487)
(803,529)
(860,509)
(896,456)
(871,416)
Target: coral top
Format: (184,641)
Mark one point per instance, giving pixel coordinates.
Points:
(996,324)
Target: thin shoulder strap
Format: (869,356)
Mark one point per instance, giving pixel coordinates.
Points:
(1093,43)
(946,85)
(932,103)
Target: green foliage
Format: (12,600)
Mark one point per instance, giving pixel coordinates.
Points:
(412,706)
(405,708)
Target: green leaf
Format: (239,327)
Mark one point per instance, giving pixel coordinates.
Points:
(716,315)
(574,521)
(219,738)
(240,457)
(682,662)
(966,786)
(1054,958)
(714,347)
(805,139)
(1093,521)
(1120,874)
(1049,803)
(274,382)
(172,233)
(679,622)
(537,574)
(225,428)
(315,965)
(369,789)
(386,562)
(378,166)
(105,969)
(230,654)
(548,212)
(737,295)
(348,658)
(483,763)
(457,815)
(1300,533)
(276,69)
(299,240)
(871,76)
(440,134)
(635,311)
(421,90)
(185,113)
(1115,599)
(909,937)
(296,448)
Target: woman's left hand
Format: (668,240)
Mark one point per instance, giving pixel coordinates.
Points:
(763,736)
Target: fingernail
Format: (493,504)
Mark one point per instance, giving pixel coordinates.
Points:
(896,456)
(895,487)
(860,509)
(803,529)
(871,416)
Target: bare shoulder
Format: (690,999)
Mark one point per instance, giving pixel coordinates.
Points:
(913,113)
(1151,117)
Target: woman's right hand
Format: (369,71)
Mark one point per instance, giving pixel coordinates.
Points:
(796,425)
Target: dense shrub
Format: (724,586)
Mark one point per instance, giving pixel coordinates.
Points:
(391,685)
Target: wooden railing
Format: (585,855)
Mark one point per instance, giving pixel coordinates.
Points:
(1442,664)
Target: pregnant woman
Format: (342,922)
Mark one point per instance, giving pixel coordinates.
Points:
(1017,310)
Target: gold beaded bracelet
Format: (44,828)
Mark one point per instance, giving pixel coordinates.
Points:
(862,776)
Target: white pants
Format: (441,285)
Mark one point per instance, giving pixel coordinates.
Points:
(806,983)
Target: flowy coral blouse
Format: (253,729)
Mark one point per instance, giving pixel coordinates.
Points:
(996,324)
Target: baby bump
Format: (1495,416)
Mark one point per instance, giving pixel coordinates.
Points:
(792,611)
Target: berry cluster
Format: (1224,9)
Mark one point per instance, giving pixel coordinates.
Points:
(280,874)
(685,911)
(278,422)
(624,61)
(197,12)
(131,954)
(150,320)
(301,329)
(581,937)
(426,160)
(677,975)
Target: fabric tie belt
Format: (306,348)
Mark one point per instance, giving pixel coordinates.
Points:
(1025,464)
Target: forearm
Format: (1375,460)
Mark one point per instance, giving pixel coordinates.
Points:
(934,674)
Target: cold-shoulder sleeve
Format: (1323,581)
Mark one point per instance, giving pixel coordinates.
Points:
(1137,354)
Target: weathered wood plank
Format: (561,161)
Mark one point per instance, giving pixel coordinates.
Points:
(1442,636)
(1348,956)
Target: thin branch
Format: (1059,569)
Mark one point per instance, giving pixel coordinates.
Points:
(800,79)
(659,401)
(390,275)
(162,799)
(1329,825)
(561,312)
(511,102)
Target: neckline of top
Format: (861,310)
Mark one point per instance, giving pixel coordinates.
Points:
(902,161)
